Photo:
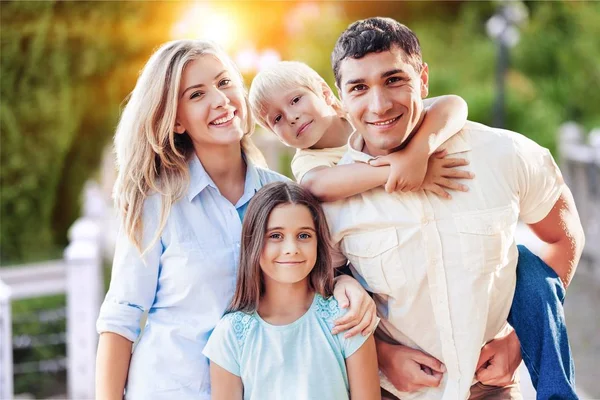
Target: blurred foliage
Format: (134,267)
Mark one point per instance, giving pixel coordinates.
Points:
(554,74)
(66,67)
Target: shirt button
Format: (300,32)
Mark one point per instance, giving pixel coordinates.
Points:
(425,221)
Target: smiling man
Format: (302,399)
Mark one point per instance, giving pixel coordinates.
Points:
(444,272)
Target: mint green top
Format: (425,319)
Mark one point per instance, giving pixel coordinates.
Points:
(301,360)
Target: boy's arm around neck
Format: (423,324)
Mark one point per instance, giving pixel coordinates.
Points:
(342,181)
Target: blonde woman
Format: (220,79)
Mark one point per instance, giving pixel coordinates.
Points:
(187,170)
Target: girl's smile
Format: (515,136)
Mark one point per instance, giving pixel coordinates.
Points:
(290,247)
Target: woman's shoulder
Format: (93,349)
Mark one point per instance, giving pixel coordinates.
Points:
(268,176)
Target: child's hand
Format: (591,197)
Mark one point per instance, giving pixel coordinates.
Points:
(442,173)
(407,170)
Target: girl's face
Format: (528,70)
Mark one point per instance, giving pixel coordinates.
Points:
(290,246)
(299,117)
(211,106)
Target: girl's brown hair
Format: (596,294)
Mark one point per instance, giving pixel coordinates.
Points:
(250,282)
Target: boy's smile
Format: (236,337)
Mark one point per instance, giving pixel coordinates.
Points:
(299,117)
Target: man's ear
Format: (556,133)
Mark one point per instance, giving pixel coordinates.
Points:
(179,128)
(424,80)
(327,94)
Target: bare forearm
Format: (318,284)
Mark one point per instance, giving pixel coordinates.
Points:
(339,182)
(362,372)
(112,366)
(561,230)
(563,257)
(384,352)
(224,384)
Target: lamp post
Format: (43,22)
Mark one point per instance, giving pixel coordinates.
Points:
(502,28)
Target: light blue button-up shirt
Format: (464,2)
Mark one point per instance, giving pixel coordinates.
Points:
(185,282)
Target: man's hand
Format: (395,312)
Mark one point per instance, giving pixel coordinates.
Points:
(362,315)
(408,369)
(499,360)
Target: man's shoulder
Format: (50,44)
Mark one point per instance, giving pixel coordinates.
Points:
(481,137)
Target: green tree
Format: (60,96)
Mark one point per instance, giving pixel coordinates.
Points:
(66,67)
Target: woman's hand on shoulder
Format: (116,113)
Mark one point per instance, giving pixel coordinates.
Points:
(362,314)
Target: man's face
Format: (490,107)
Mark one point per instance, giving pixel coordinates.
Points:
(382,94)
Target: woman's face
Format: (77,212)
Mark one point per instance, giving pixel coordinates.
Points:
(211,106)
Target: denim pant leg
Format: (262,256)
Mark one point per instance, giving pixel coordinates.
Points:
(537,315)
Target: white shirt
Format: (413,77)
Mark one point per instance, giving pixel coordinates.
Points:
(443,271)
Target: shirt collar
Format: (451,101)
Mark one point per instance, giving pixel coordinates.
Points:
(456,144)
(199,179)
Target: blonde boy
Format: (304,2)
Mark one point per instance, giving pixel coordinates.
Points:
(293,101)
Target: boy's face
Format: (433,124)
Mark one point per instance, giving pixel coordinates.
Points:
(299,117)
(382,93)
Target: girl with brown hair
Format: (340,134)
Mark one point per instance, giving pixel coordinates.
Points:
(276,340)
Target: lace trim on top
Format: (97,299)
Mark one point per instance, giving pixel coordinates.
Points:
(242,323)
(328,309)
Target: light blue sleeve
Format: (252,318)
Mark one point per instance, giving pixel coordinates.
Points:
(350,345)
(223,347)
(330,310)
(134,280)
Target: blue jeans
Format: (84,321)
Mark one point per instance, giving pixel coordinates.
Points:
(538,318)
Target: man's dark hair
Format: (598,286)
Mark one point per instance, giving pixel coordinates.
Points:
(374,35)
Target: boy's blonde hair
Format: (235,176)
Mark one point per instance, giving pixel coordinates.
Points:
(283,76)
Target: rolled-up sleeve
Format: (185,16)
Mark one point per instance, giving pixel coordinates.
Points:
(540,182)
(134,280)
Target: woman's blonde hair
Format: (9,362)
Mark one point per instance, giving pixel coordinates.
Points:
(151,157)
(284,76)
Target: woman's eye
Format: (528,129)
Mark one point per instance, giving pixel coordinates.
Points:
(296,99)
(196,94)
(277,119)
(224,82)
(304,236)
(275,236)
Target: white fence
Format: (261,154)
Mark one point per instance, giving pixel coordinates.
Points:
(580,165)
(79,276)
